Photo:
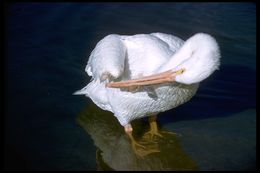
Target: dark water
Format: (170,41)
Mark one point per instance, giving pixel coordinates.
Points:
(47,47)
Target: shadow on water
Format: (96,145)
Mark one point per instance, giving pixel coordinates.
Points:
(114,148)
(230,90)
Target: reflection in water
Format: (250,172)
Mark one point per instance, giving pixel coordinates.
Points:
(114,148)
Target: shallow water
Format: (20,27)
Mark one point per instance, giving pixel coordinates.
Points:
(47,48)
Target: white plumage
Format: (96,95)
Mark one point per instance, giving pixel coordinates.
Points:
(119,58)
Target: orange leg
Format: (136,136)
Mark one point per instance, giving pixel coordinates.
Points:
(153,132)
(140,150)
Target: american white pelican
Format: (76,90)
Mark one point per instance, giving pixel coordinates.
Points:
(144,74)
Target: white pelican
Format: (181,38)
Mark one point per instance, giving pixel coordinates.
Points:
(144,74)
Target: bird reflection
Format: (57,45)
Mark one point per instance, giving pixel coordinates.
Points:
(116,153)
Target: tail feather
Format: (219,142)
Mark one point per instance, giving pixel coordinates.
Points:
(83,91)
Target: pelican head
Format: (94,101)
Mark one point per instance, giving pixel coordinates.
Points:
(197,59)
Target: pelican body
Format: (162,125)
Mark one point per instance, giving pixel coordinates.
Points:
(144,74)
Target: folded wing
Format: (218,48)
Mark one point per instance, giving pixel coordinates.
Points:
(107,59)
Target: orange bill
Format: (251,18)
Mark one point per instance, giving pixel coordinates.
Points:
(160,78)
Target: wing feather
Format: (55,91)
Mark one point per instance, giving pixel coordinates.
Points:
(107,59)
(174,42)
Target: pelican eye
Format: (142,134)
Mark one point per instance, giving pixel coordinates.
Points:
(182,71)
